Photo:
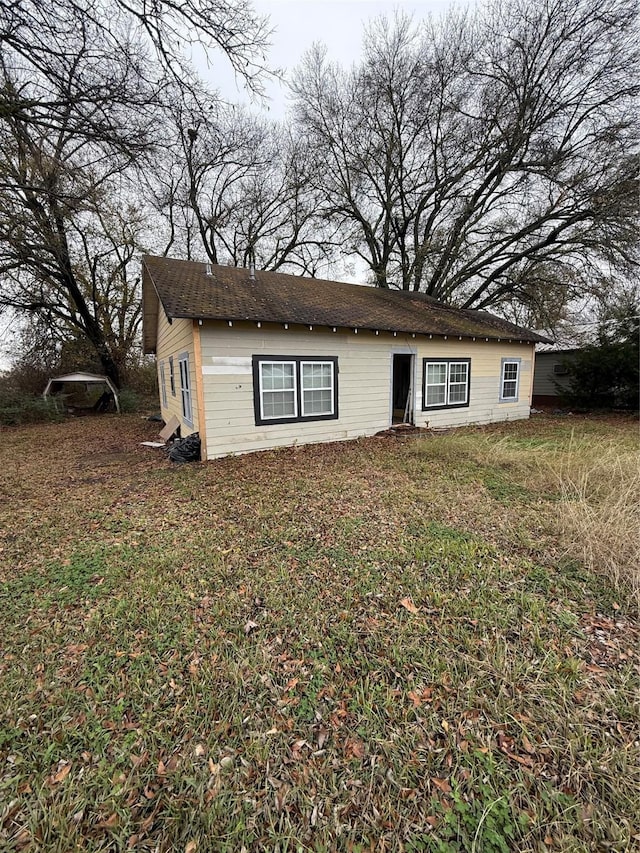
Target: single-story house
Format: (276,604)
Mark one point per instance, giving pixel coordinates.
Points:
(254,360)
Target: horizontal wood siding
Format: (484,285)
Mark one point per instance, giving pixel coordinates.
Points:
(174,339)
(364,383)
(486,369)
(544,378)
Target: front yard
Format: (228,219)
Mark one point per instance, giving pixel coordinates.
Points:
(378,645)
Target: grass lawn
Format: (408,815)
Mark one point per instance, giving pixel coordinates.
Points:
(380,645)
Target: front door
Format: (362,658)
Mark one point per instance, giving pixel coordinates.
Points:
(402,388)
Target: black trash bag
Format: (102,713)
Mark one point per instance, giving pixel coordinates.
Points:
(187,449)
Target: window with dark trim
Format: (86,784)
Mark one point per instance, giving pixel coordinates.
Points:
(172,377)
(510,380)
(185,388)
(445,383)
(290,388)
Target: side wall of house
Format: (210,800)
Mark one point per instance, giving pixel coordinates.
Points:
(365,363)
(174,339)
(545,389)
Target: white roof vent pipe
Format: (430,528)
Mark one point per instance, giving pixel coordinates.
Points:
(252,271)
(207,269)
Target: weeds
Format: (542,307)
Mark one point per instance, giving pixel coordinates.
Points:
(593,480)
(600,516)
(18,407)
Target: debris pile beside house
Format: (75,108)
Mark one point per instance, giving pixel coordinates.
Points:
(178,449)
(186,449)
(402,431)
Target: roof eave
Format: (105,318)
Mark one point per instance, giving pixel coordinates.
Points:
(529,339)
(149,342)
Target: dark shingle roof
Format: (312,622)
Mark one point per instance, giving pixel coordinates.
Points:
(230,293)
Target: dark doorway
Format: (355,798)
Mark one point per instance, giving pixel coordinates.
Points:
(402,392)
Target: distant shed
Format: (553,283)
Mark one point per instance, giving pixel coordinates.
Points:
(56,384)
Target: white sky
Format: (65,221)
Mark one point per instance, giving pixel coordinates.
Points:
(297,24)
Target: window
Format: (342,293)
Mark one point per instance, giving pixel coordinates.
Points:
(317,388)
(510,380)
(294,388)
(278,389)
(163,385)
(445,383)
(185,388)
(172,377)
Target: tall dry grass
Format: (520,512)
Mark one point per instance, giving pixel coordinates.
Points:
(599,515)
(594,483)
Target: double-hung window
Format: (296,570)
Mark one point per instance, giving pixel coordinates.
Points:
(316,385)
(295,388)
(185,388)
(163,385)
(278,390)
(510,380)
(445,383)
(172,377)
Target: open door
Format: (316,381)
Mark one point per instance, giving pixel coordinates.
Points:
(402,389)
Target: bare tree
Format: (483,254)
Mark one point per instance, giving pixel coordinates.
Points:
(246,187)
(477,153)
(81,95)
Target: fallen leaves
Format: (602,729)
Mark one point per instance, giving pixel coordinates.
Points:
(506,745)
(345,680)
(408,604)
(354,748)
(442,785)
(61,774)
(109,822)
(424,697)
(322,737)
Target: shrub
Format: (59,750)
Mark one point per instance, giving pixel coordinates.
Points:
(19,407)
(129,400)
(606,375)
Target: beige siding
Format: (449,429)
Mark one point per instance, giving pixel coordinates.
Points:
(364,383)
(486,369)
(174,339)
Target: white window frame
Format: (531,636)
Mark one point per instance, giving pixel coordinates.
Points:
(163,385)
(264,417)
(330,387)
(185,388)
(505,363)
(448,363)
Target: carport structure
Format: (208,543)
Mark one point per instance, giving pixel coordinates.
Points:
(56,384)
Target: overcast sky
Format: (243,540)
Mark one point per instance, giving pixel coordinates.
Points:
(339,24)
